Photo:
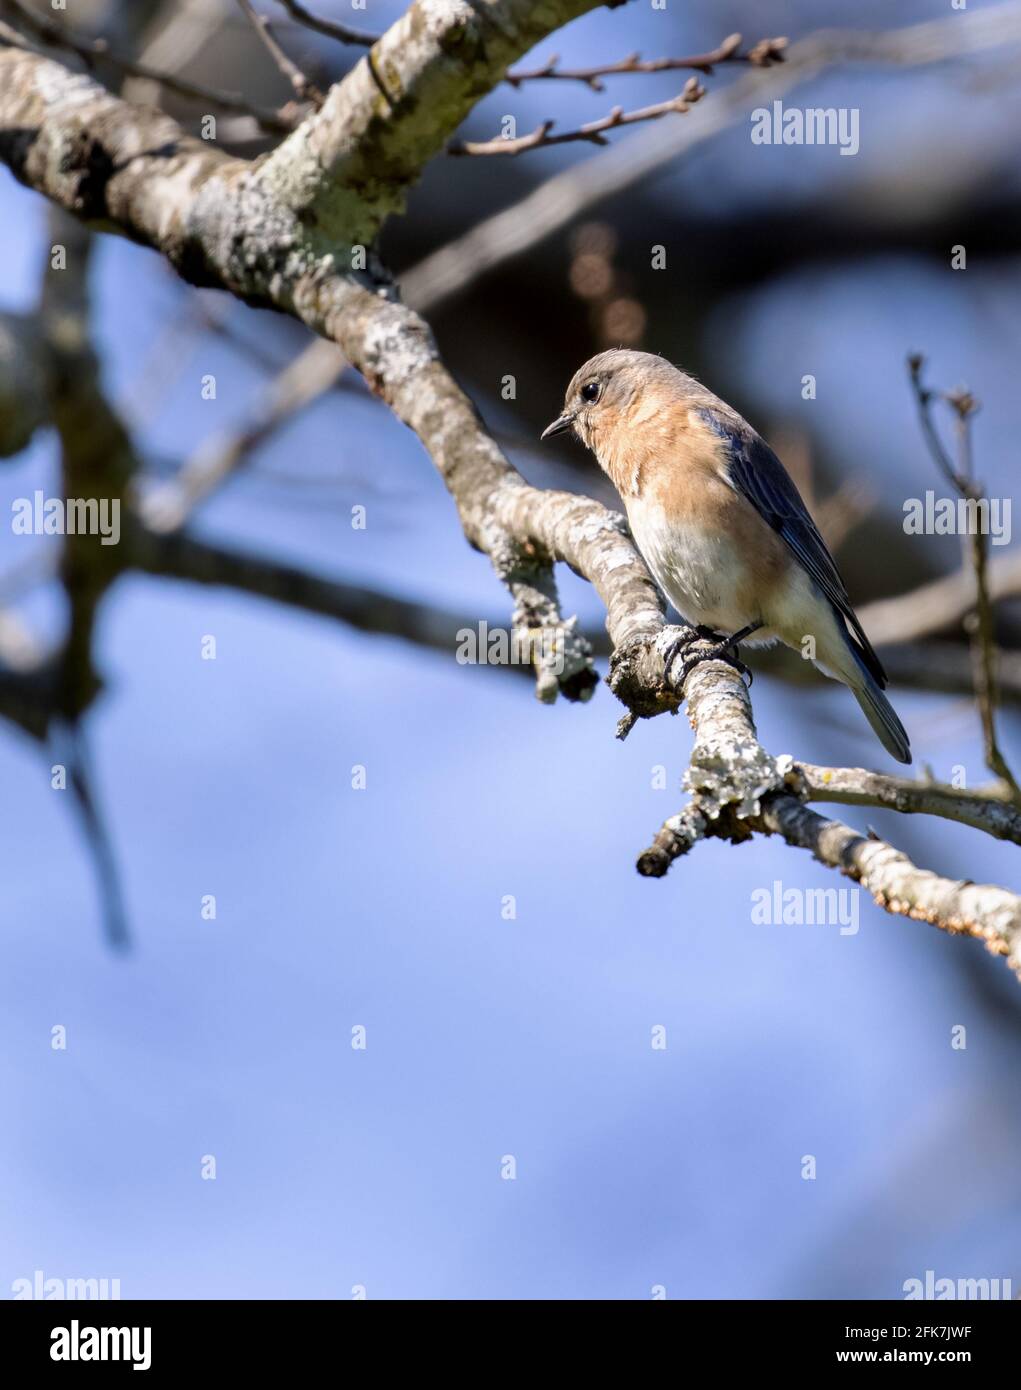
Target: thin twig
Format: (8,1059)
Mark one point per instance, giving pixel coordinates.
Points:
(593,132)
(923,397)
(327,26)
(981,623)
(304,88)
(54,35)
(984,809)
(763,55)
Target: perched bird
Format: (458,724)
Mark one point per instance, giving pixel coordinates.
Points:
(720,523)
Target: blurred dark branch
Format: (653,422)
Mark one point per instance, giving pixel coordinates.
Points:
(947,667)
(940,604)
(762,54)
(48,692)
(194,561)
(97,459)
(28,677)
(982,626)
(220,457)
(53,34)
(27,699)
(23,404)
(328,27)
(81,782)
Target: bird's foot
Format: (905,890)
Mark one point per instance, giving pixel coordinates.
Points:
(684,638)
(721,649)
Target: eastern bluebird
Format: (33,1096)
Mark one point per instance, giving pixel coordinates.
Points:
(720,523)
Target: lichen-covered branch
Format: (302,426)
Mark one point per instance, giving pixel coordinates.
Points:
(982,910)
(739,790)
(279,231)
(275,232)
(54,34)
(988,811)
(125,168)
(350,165)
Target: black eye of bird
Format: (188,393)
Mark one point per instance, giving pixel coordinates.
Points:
(590,391)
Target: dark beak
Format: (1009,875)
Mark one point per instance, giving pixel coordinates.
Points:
(559,425)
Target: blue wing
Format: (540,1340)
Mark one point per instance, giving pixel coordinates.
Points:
(759,476)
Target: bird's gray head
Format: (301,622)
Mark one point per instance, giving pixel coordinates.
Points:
(606,392)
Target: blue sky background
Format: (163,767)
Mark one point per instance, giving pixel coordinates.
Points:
(382,907)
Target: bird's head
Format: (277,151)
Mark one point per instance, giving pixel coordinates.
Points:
(607,393)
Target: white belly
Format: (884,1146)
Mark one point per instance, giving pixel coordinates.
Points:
(701,572)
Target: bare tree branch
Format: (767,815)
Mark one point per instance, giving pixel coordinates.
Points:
(195,561)
(594,131)
(167,507)
(56,35)
(329,27)
(738,790)
(983,632)
(96,456)
(23,405)
(853,786)
(351,163)
(763,54)
(189,201)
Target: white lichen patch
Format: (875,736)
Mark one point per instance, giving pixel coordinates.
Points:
(58,87)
